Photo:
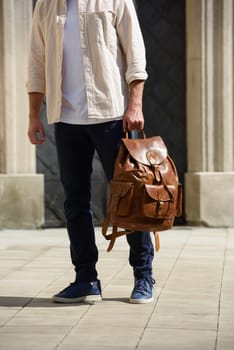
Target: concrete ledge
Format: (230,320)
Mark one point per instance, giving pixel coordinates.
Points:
(209,198)
(21,201)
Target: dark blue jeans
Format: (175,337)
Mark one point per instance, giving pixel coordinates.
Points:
(76,145)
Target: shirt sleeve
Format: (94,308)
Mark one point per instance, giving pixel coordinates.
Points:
(36,60)
(131,41)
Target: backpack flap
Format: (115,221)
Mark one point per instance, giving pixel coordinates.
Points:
(147,151)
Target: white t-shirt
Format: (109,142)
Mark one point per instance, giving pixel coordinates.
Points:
(74,101)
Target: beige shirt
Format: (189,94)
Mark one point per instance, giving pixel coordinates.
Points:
(112,47)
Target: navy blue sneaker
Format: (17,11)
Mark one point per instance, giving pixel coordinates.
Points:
(143,291)
(79,292)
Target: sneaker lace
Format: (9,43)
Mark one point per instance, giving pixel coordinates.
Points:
(142,285)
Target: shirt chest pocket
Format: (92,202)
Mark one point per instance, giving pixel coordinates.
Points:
(101,28)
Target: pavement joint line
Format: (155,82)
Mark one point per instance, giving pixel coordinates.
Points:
(30,260)
(221,288)
(115,275)
(53,281)
(73,326)
(13,316)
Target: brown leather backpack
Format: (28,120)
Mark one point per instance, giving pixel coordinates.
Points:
(145,193)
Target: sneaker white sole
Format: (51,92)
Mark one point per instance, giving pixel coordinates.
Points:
(141,301)
(87,298)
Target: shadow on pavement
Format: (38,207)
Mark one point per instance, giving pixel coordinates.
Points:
(18,302)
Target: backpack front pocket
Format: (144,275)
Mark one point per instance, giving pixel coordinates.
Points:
(158,201)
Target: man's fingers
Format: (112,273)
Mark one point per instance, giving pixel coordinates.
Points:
(36,136)
(133,125)
(40,136)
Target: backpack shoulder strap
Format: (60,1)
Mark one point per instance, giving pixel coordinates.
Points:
(115,233)
(157,241)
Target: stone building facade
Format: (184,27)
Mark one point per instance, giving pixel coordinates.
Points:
(209,125)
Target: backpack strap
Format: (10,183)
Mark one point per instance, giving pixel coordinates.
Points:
(112,236)
(115,233)
(157,241)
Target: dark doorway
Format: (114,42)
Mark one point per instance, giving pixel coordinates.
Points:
(163,27)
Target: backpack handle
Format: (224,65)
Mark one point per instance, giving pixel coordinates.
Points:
(133,134)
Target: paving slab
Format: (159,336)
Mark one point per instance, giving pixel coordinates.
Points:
(27,341)
(225,340)
(97,335)
(177,339)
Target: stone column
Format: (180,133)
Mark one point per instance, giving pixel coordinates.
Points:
(209,182)
(21,189)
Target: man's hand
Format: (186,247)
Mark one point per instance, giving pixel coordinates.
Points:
(36,132)
(133,118)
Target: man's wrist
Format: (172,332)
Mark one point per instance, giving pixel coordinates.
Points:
(34,115)
(136,93)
